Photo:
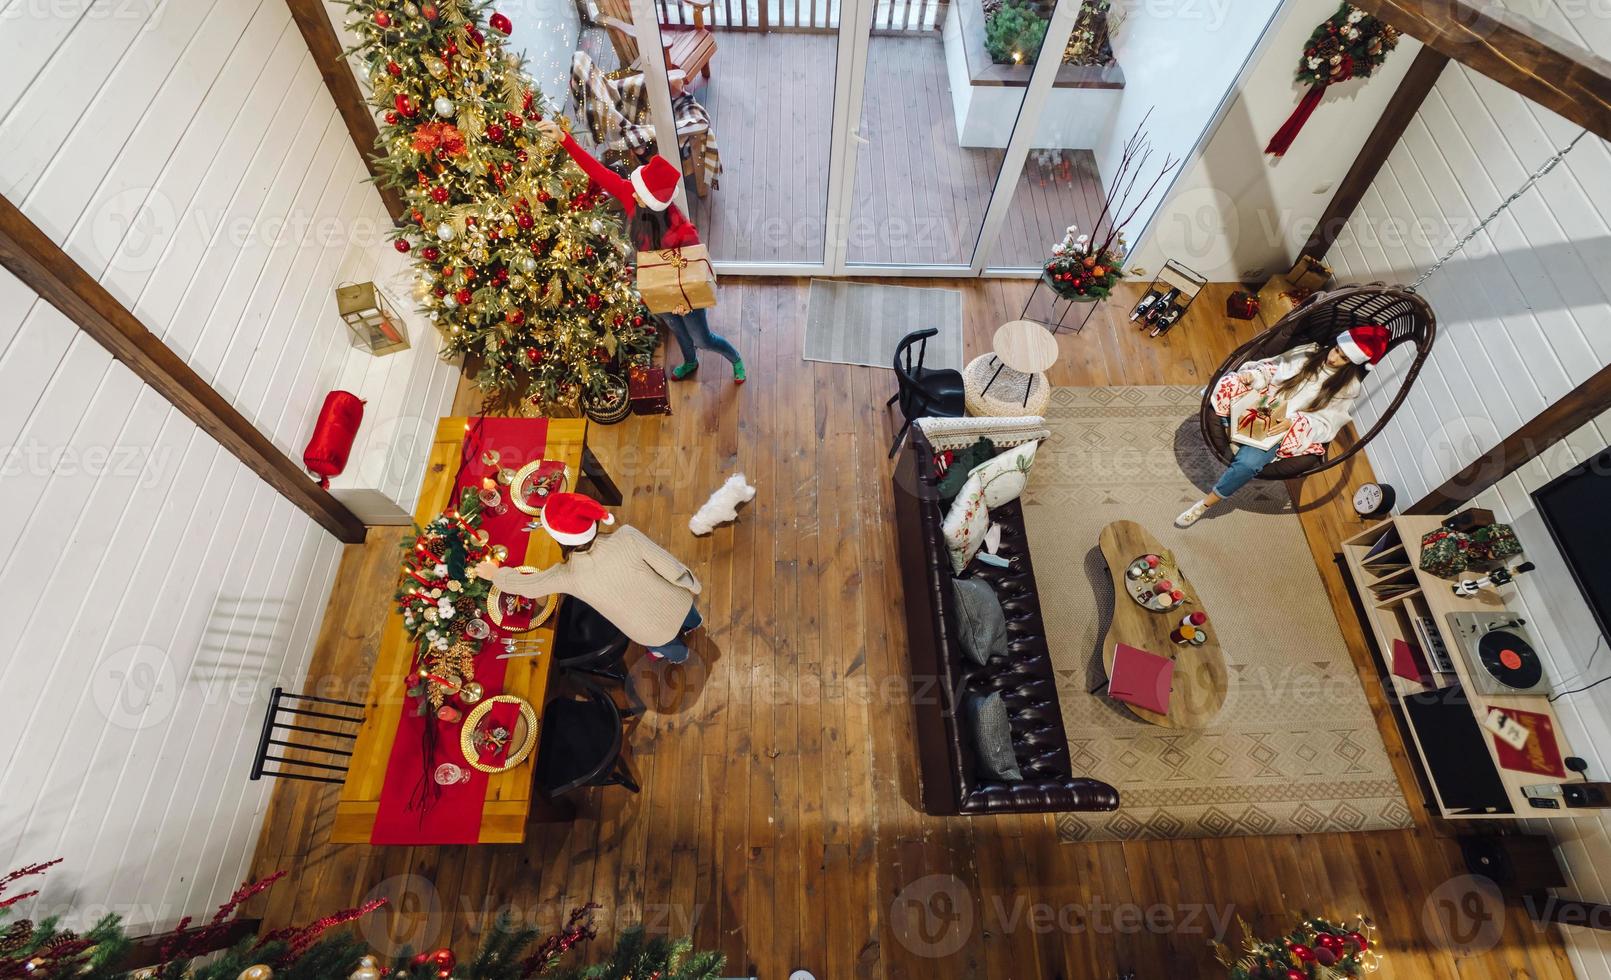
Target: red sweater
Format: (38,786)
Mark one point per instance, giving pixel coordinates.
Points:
(682,231)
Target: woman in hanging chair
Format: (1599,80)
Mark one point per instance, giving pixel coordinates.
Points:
(1314,386)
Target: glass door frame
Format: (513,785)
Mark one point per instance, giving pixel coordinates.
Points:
(850,77)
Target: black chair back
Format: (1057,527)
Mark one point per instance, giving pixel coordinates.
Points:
(581,743)
(914,400)
(304,725)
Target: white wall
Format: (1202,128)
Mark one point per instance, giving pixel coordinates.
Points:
(188,155)
(1236,213)
(1524,315)
(1180,60)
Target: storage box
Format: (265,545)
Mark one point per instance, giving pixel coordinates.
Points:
(676,280)
(1309,274)
(646,390)
(1242,305)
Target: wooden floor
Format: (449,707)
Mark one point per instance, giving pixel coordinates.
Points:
(920,198)
(775,821)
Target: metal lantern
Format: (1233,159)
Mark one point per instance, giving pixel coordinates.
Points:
(372,322)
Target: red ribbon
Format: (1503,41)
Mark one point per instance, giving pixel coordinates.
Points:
(1282,140)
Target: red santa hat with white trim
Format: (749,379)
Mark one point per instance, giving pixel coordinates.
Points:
(573,519)
(656,183)
(1364,344)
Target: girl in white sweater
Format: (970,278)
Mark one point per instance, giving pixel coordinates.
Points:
(1318,386)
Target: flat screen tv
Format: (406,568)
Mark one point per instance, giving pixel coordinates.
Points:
(1576,507)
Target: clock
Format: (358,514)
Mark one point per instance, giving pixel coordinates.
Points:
(1373,500)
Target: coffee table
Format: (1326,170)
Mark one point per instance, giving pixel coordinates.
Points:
(1201,680)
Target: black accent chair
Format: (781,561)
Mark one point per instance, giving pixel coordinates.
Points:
(581,743)
(282,733)
(587,643)
(923,392)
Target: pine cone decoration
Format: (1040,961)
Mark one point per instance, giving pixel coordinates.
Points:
(15,938)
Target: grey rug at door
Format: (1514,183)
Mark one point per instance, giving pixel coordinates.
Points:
(861,323)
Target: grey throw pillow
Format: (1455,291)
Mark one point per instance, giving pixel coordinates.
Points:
(980,616)
(992,737)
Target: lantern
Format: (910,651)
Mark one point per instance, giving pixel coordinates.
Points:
(372,321)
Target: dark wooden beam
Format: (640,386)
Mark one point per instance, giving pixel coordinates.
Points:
(325,45)
(1513,50)
(32,257)
(1412,91)
(146,951)
(1583,404)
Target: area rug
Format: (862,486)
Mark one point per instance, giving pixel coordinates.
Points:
(1295,748)
(860,323)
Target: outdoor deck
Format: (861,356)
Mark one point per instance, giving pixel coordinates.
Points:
(920,198)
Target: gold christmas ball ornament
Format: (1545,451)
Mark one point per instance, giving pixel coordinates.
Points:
(368,969)
(258,972)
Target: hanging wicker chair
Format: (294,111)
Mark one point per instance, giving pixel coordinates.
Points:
(1318,320)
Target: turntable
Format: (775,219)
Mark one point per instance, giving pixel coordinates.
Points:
(1501,655)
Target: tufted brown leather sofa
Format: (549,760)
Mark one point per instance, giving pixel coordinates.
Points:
(943,677)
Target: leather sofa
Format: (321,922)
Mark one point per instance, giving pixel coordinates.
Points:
(943,677)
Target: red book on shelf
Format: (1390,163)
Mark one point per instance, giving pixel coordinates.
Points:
(1409,662)
(1141,678)
(1541,754)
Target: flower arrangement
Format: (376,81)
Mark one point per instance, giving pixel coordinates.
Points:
(1080,267)
(1350,44)
(1316,949)
(439,589)
(1087,267)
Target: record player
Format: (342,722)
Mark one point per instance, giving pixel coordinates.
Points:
(1501,655)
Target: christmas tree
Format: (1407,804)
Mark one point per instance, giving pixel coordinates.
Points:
(511,951)
(520,265)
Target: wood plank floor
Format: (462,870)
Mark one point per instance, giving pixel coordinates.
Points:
(920,198)
(775,821)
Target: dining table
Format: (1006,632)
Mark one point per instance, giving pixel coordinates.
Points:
(386,797)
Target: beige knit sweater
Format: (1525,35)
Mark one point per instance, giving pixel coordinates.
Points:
(630,580)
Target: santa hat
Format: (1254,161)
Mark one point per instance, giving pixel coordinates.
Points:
(656,183)
(573,519)
(1364,344)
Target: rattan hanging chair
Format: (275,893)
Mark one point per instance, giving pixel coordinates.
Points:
(1318,320)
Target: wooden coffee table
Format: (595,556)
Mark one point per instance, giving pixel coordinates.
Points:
(1200,680)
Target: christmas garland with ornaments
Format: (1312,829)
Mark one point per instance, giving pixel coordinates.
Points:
(1348,44)
(520,263)
(511,951)
(1316,949)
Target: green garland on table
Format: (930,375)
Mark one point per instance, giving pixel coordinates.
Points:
(1315,949)
(439,590)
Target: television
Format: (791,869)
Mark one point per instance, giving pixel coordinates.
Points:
(1576,507)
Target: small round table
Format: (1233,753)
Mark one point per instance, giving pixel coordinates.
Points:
(1026,347)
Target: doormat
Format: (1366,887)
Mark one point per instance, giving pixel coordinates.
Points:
(862,323)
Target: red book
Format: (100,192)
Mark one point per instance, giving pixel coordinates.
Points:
(1541,754)
(1141,678)
(1409,662)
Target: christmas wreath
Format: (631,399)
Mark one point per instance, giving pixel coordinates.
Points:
(1348,44)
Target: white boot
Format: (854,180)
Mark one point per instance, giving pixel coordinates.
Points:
(1191,515)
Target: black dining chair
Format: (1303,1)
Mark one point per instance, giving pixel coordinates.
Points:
(582,738)
(306,725)
(923,392)
(587,643)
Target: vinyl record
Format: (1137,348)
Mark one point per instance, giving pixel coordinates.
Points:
(1509,659)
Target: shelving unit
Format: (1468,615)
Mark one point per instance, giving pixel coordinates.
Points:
(1441,716)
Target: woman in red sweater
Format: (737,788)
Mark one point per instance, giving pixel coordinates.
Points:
(654,222)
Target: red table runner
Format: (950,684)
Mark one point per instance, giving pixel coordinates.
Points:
(412,811)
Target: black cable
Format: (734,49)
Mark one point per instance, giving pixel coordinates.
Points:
(1580,690)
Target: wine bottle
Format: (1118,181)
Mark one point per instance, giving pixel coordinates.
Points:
(1146,303)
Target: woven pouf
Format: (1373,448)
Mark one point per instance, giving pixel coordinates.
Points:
(1006,396)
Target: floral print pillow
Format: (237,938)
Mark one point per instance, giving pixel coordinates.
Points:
(966,523)
(1004,476)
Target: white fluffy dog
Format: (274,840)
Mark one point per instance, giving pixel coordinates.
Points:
(722,505)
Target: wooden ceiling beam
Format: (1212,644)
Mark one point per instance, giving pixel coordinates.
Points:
(1513,50)
(30,255)
(325,46)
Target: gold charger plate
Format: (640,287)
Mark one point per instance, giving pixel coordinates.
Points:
(517,488)
(522,737)
(495,609)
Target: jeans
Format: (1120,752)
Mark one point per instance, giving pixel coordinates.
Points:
(677,650)
(692,331)
(1249,461)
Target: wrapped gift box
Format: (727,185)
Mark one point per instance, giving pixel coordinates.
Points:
(676,280)
(646,390)
(1242,305)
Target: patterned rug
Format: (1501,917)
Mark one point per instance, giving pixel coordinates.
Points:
(1295,749)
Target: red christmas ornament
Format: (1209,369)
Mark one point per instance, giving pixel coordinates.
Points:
(515,317)
(401,245)
(431,253)
(439,194)
(428,11)
(533,355)
(473,36)
(393,69)
(593,301)
(495,132)
(1326,956)
(524,220)
(637,321)
(383,19)
(439,292)
(392,117)
(1297,975)
(463,296)
(1302,952)
(1358,939)
(403,106)
(501,24)
(588,251)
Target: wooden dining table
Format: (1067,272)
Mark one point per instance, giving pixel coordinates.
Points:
(510,794)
